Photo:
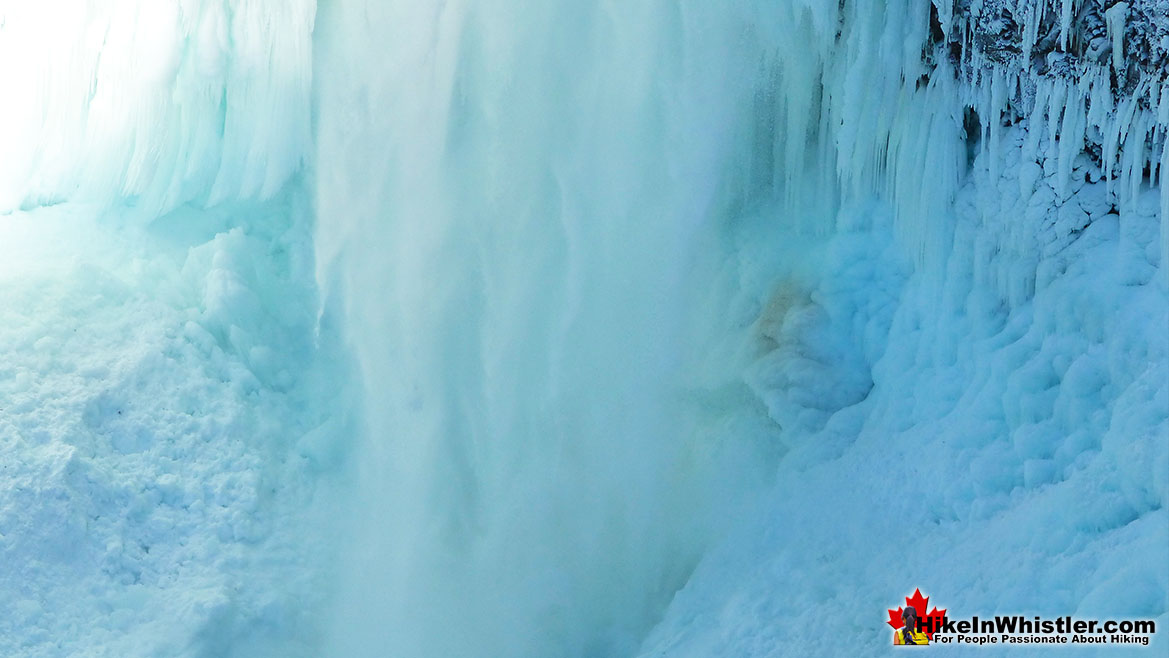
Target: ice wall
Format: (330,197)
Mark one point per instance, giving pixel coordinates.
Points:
(159,103)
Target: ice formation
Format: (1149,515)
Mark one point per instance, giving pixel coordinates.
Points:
(577,328)
(159,332)
(159,103)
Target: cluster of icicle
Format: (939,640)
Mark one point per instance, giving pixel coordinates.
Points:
(1099,98)
(886,93)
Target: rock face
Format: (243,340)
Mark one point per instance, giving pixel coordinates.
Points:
(1056,38)
(1091,75)
(1054,35)
(1124,44)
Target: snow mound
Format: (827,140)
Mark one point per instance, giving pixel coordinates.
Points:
(153,397)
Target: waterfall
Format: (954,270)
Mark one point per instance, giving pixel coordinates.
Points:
(518,209)
(540,227)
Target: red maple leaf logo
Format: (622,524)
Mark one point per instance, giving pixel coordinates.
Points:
(919,604)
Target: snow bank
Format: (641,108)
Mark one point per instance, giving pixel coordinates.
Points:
(1010,456)
(153,393)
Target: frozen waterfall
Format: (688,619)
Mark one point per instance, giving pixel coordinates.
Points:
(577,328)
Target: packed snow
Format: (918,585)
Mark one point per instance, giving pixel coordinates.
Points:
(662,328)
(156,384)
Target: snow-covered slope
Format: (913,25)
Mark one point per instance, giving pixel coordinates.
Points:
(164,407)
(154,389)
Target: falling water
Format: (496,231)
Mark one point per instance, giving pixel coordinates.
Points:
(518,209)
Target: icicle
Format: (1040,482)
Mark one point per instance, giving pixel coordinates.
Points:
(1164,176)
(1065,24)
(1116,16)
(997,102)
(1099,100)
(1040,108)
(1134,148)
(945,10)
(983,107)
(1163,107)
(1055,110)
(1028,173)
(1030,29)
(1118,135)
(1071,138)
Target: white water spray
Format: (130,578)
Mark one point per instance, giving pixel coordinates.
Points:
(517,206)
